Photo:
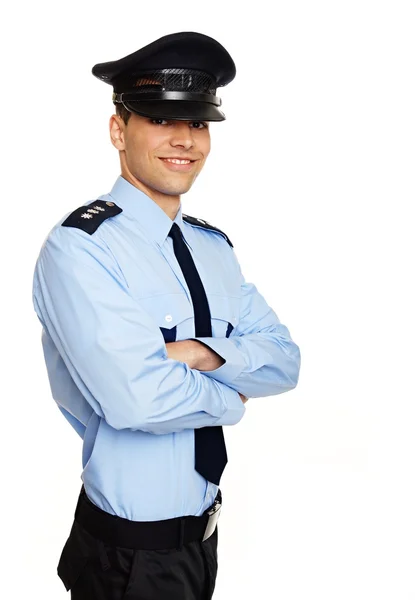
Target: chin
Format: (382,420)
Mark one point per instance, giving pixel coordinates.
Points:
(178,191)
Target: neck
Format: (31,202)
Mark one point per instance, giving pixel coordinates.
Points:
(169,204)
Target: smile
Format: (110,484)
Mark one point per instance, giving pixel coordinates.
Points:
(183,165)
(176,161)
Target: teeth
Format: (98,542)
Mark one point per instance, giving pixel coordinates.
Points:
(176,161)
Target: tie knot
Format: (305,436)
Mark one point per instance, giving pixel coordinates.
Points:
(175,232)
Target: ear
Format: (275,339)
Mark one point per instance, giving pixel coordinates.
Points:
(117,126)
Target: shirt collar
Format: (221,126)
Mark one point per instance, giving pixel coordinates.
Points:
(153,220)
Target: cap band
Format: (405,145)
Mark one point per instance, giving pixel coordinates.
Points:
(160,95)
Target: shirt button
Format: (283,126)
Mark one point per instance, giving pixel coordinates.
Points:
(168,318)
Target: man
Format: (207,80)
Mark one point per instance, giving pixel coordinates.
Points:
(153,340)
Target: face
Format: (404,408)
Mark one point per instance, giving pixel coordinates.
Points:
(161,157)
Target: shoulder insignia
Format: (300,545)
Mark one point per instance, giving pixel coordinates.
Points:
(90,216)
(205,225)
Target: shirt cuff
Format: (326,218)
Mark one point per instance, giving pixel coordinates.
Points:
(234,361)
(235,409)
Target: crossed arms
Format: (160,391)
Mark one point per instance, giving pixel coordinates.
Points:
(118,359)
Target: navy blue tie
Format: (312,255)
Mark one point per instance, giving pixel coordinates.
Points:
(210,448)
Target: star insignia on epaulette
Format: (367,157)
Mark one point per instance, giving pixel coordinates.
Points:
(89,217)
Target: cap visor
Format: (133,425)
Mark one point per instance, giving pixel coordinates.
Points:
(183,110)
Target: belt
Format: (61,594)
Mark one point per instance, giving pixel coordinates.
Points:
(147,535)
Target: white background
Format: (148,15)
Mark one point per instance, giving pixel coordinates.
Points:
(311,176)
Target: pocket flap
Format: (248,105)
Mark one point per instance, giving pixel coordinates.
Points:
(168,310)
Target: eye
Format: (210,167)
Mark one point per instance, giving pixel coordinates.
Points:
(199,124)
(158,121)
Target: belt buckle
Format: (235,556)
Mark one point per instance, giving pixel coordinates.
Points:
(213,513)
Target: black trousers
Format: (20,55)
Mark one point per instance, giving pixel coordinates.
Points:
(96,569)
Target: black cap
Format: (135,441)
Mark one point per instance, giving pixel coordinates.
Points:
(175,77)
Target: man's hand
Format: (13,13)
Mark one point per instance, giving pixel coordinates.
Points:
(197,356)
(243,398)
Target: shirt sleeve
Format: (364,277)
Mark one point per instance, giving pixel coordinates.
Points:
(260,357)
(112,347)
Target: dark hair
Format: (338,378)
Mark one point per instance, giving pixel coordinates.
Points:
(122,112)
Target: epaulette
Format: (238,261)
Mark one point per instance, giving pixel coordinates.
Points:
(90,216)
(205,225)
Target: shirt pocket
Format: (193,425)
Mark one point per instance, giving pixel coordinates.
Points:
(224,312)
(173,314)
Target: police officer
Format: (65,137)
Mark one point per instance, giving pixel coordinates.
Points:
(152,338)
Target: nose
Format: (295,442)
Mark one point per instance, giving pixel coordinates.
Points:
(182,135)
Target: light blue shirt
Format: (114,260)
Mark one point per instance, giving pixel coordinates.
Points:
(108,302)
